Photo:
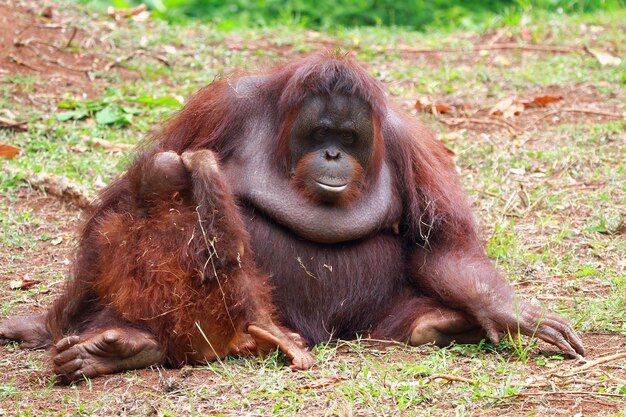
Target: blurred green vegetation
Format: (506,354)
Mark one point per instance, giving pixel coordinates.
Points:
(414,14)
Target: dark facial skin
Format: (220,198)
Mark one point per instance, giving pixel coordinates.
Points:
(334,137)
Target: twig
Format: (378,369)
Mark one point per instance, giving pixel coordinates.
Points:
(448,377)
(54,26)
(541,393)
(20,61)
(72,36)
(576,110)
(126,57)
(595,362)
(66,66)
(120,59)
(554,298)
(495,46)
(12,124)
(512,128)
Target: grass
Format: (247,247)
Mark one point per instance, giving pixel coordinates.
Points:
(551,199)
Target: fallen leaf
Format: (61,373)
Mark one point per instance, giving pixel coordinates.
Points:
(109,146)
(23,284)
(170,49)
(61,187)
(501,106)
(427,104)
(8,151)
(452,136)
(57,240)
(604,58)
(512,106)
(513,110)
(542,101)
(323,382)
(142,16)
(118,14)
(13,124)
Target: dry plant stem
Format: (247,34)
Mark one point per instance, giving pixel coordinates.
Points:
(495,46)
(12,124)
(576,110)
(512,128)
(604,359)
(127,57)
(448,377)
(20,61)
(542,393)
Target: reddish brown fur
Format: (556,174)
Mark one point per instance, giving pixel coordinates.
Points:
(162,258)
(425,259)
(188,259)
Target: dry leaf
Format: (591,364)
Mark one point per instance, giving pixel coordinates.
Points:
(61,187)
(324,382)
(13,124)
(426,103)
(604,58)
(452,136)
(507,108)
(109,146)
(8,151)
(542,101)
(118,14)
(141,16)
(170,49)
(513,110)
(23,284)
(501,106)
(512,106)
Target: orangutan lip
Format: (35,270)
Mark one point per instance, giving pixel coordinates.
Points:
(332,188)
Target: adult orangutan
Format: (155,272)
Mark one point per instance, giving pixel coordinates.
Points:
(353,209)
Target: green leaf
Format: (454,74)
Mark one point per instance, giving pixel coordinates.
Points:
(158,101)
(130,110)
(67,104)
(112,114)
(71,115)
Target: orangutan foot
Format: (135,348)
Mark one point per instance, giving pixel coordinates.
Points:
(272,336)
(107,352)
(31,331)
(443,327)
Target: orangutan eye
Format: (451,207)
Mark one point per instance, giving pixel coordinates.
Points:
(348,138)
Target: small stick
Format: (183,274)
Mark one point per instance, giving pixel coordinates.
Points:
(501,123)
(541,393)
(492,47)
(448,377)
(72,36)
(595,362)
(20,61)
(575,110)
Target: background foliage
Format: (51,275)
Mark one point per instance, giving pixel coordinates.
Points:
(415,14)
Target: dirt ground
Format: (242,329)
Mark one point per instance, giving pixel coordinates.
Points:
(29,45)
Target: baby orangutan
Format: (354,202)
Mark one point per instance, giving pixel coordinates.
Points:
(176,269)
